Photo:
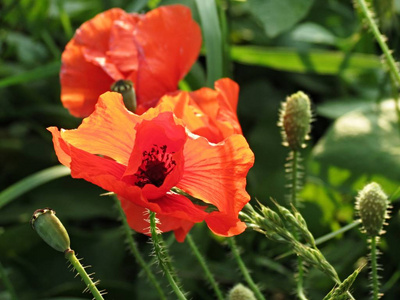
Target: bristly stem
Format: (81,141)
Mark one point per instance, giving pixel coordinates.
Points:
(135,251)
(159,251)
(206,270)
(368,15)
(90,285)
(7,283)
(300,289)
(294,155)
(244,270)
(374,270)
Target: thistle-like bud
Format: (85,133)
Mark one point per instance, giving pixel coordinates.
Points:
(240,292)
(372,206)
(295,119)
(50,229)
(125,88)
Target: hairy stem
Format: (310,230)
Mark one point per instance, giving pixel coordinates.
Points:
(135,251)
(300,289)
(209,275)
(293,170)
(374,270)
(244,270)
(393,68)
(162,259)
(90,285)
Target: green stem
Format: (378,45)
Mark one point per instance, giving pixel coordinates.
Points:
(380,39)
(293,171)
(90,285)
(203,264)
(7,283)
(300,289)
(331,235)
(374,270)
(162,259)
(135,251)
(244,270)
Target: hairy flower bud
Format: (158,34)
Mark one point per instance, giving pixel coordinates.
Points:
(240,292)
(50,229)
(372,208)
(295,119)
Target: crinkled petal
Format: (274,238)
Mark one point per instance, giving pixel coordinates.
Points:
(170,42)
(216,173)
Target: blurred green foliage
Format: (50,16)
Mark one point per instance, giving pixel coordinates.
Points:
(277,48)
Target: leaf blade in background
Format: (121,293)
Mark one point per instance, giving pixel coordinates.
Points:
(32,181)
(279,16)
(212,39)
(313,61)
(45,71)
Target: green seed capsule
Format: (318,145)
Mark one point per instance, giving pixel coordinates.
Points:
(295,119)
(125,88)
(50,229)
(372,208)
(240,292)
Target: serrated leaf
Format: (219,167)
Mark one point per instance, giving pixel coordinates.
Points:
(279,16)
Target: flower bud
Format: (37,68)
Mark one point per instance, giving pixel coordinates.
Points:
(125,88)
(372,208)
(240,292)
(295,119)
(50,229)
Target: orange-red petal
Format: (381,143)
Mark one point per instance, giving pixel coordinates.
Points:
(217,174)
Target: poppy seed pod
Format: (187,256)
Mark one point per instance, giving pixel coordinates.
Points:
(125,88)
(295,119)
(372,208)
(240,292)
(50,229)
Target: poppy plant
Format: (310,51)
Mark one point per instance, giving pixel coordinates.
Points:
(152,162)
(153,51)
(210,113)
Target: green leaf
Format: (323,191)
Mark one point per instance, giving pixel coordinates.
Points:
(313,33)
(31,182)
(45,71)
(335,108)
(314,61)
(212,39)
(366,142)
(279,16)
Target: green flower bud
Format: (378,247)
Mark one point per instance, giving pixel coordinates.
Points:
(240,292)
(295,119)
(125,88)
(372,206)
(50,229)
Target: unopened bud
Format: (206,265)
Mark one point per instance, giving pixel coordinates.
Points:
(295,119)
(125,88)
(372,208)
(50,229)
(240,292)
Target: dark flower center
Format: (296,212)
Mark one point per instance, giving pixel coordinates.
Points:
(156,165)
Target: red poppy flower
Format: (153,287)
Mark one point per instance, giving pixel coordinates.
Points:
(154,51)
(142,158)
(207,112)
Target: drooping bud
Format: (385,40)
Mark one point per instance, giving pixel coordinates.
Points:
(50,229)
(240,292)
(125,88)
(295,119)
(372,206)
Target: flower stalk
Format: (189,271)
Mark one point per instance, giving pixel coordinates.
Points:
(162,259)
(246,274)
(90,285)
(209,275)
(135,251)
